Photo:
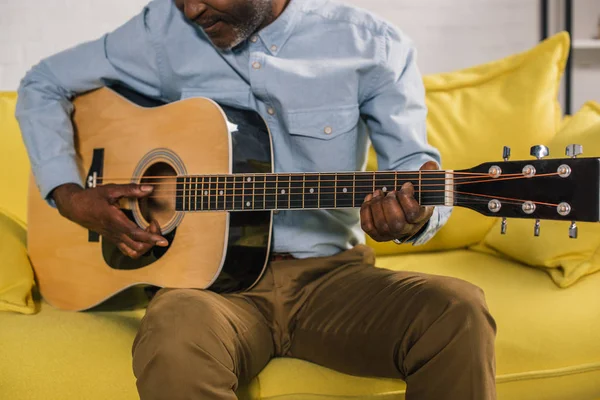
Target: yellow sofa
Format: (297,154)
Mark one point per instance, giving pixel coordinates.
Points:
(547,344)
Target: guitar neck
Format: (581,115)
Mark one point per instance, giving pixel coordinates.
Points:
(246,192)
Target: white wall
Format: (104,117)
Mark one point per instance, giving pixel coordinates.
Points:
(450,34)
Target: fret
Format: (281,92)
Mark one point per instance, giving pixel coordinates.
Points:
(344,191)
(229,192)
(271,192)
(363,183)
(311,191)
(238,192)
(220,193)
(303,188)
(335,178)
(283,192)
(259,192)
(253,192)
(296,197)
(196,193)
(354,190)
(373,182)
(318,190)
(184,194)
(248,186)
(189,193)
(327,191)
(418,188)
(205,197)
(179,195)
(212,192)
(290,192)
(189,188)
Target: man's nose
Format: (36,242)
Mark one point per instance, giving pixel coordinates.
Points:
(192,9)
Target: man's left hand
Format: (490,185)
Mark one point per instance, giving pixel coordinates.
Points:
(396,214)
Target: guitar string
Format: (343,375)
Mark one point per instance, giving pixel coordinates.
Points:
(272,204)
(194,185)
(424,174)
(216,197)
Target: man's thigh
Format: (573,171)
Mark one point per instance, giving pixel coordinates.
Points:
(201,329)
(364,320)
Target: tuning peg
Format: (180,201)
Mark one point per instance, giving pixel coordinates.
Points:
(536,228)
(573,150)
(506,153)
(539,151)
(503,226)
(573,230)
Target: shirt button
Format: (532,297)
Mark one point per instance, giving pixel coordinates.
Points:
(254,39)
(271,111)
(328,130)
(256,65)
(273,48)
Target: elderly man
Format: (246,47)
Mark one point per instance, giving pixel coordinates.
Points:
(327,78)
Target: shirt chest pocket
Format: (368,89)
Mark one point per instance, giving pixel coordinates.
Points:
(324,140)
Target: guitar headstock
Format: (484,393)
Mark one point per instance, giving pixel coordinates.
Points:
(565,189)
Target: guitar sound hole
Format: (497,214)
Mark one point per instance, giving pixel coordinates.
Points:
(160,204)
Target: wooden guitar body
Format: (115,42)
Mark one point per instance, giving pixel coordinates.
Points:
(118,141)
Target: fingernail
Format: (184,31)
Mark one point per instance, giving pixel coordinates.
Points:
(162,243)
(376,194)
(146,188)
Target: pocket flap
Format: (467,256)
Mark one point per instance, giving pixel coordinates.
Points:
(323,123)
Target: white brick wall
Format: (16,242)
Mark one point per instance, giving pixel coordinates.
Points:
(450,34)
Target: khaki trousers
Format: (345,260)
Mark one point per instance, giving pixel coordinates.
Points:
(340,312)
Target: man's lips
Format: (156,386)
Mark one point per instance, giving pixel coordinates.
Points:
(211,25)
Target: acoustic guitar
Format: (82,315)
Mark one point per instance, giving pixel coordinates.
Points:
(215,191)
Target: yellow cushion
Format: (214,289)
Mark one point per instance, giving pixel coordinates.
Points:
(14,163)
(474,112)
(58,355)
(16,275)
(565,260)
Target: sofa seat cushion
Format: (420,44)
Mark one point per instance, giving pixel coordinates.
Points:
(547,345)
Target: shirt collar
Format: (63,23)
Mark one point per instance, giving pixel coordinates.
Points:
(275,35)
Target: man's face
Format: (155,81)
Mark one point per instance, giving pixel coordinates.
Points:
(227,22)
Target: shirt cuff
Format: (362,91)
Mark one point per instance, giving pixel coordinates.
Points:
(438,219)
(55,172)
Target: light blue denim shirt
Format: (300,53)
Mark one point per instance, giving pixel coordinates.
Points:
(328,78)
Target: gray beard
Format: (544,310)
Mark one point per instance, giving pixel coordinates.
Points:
(263,9)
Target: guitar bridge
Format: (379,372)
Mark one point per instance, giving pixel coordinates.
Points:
(95,175)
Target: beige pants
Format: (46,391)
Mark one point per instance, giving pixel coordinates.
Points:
(340,312)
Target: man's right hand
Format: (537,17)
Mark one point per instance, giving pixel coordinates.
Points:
(97,210)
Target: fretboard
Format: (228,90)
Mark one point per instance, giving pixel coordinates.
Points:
(244,192)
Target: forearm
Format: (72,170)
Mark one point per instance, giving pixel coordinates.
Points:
(44,112)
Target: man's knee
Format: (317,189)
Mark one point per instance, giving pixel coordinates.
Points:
(460,303)
(177,323)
